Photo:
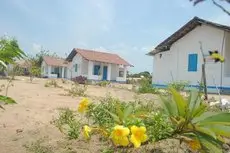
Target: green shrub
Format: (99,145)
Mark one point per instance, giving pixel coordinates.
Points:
(52,83)
(179,85)
(103,83)
(146,86)
(97,114)
(158,126)
(67,123)
(77,90)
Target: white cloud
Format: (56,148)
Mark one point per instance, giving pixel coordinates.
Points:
(36,47)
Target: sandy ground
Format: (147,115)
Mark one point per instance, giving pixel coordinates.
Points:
(36,106)
(29,119)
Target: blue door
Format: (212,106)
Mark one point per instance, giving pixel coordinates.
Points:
(105,68)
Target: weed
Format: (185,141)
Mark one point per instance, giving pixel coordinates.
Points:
(67,123)
(179,85)
(52,83)
(146,87)
(38,147)
(77,90)
(103,83)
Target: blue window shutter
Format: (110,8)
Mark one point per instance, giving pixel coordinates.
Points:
(192,62)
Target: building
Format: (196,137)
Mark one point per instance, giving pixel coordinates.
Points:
(53,67)
(92,64)
(179,57)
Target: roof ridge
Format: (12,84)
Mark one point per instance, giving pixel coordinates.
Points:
(92,50)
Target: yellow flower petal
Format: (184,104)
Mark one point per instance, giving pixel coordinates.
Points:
(119,135)
(138,135)
(83,105)
(86,132)
(124,141)
(136,142)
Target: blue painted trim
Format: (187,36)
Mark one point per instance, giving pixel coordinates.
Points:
(107,80)
(193,86)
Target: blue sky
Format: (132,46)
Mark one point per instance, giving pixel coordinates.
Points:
(130,28)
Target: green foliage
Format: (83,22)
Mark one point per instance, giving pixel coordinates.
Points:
(146,86)
(107,150)
(77,90)
(52,83)
(158,126)
(178,85)
(97,112)
(67,123)
(103,83)
(193,123)
(9,51)
(6,100)
(145,74)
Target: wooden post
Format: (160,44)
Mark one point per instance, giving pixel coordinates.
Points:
(203,73)
(204,81)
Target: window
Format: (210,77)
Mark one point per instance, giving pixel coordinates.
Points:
(192,62)
(75,67)
(96,70)
(121,73)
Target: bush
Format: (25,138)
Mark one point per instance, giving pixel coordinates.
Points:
(77,90)
(103,83)
(52,83)
(67,123)
(146,86)
(104,116)
(158,126)
(80,80)
(179,85)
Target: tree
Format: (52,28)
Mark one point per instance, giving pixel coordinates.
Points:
(9,52)
(195,2)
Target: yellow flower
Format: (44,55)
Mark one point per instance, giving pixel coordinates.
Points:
(138,135)
(194,145)
(119,135)
(84,103)
(86,131)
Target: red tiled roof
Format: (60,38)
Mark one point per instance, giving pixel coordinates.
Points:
(54,61)
(101,56)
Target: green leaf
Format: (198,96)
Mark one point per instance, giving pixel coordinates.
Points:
(203,116)
(180,101)
(206,130)
(3,63)
(119,111)
(200,110)
(194,101)
(222,130)
(128,111)
(169,107)
(209,144)
(114,116)
(213,118)
(7,100)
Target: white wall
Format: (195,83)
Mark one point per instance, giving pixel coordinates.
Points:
(71,67)
(114,72)
(226,64)
(174,63)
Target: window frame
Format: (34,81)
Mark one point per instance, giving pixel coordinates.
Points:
(192,62)
(96,69)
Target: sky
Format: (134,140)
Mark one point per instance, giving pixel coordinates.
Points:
(129,28)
